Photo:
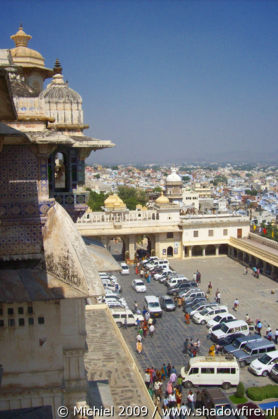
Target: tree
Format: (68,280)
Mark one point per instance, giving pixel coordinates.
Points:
(157,189)
(252,192)
(220,179)
(186,178)
(96,200)
(240,390)
(132,196)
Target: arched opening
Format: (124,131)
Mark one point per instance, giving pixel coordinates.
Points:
(197,251)
(169,251)
(143,247)
(223,249)
(210,250)
(60,178)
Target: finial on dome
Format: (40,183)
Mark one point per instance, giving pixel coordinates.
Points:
(57,69)
(21,39)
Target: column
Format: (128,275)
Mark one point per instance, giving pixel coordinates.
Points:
(217,250)
(264,266)
(203,250)
(190,251)
(131,247)
(272,272)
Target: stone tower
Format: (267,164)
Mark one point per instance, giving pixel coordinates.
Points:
(46,273)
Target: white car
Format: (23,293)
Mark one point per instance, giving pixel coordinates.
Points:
(220,318)
(125,269)
(115,299)
(208,313)
(264,364)
(138,285)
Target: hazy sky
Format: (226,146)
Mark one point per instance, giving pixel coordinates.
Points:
(168,80)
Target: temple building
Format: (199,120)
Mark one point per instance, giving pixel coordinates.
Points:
(46,272)
(173,187)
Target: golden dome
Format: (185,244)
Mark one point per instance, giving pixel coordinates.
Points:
(21,54)
(162,199)
(114,202)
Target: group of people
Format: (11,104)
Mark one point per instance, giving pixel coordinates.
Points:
(165,387)
(191,347)
(145,328)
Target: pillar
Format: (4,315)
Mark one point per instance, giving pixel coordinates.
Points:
(131,247)
(190,251)
(217,250)
(204,251)
(264,266)
(272,272)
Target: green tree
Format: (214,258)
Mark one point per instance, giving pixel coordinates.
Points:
(96,200)
(186,178)
(220,179)
(132,196)
(157,189)
(252,192)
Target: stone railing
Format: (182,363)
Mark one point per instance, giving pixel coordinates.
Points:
(126,217)
(214,220)
(263,240)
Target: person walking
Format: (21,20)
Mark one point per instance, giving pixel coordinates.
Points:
(191,401)
(276,336)
(169,368)
(245,271)
(209,288)
(259,327)
(151,330)
(187,318)
(212,350)
(185,346)
(139,347)
(198,277)
(236,304)
(147,378)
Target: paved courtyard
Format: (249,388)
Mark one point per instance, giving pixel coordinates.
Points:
(166,346)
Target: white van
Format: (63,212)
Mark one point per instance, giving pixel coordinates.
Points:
(176,280)
(125,269)
(124,317)
(211,370)
(153,306)
(226,329)
(202,317)
(263,365)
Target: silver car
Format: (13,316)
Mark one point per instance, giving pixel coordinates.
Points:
(167,303)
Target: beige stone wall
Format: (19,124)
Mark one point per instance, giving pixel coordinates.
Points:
(48,354)
(162,243)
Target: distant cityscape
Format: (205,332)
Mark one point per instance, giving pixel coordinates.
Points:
(243,188)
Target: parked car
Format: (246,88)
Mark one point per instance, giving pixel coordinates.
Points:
(240,343)
(253,350)
(181,288)
(208,313)
(230,328)
(217,403)
(220,318)
(194,294)
(138,285)
(194,304)
(229,339)
(218,326)
(274,373)
(123,316)
(263,365)
(167,303)
(200,307)
(125,269)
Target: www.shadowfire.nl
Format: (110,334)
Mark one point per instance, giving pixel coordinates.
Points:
(221,411)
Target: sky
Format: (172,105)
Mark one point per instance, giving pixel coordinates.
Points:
(167,81)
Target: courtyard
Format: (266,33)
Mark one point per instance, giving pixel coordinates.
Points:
(256,298)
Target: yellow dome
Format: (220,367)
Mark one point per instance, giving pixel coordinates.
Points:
(21,54)
(114,202)
(162,199)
